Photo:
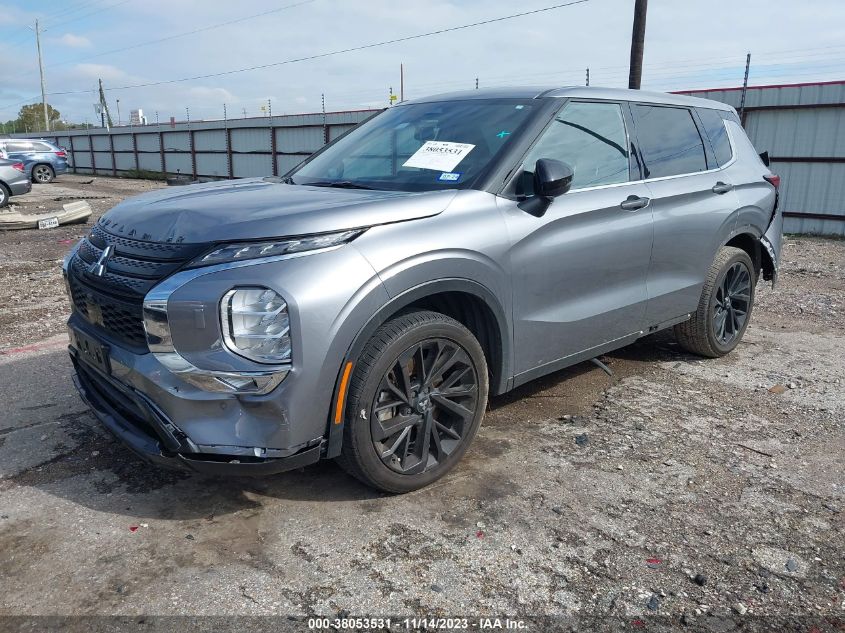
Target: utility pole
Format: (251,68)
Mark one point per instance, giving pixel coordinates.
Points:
(588,76)
(105,115)
(476,83)
(401,82)
(118,112)
(41,72)
(744,88)
(635,73)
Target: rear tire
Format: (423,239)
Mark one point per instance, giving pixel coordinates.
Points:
(43,174)
(5,194)
(724,309)
(415,402)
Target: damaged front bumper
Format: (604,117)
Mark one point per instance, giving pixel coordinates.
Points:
(142,426)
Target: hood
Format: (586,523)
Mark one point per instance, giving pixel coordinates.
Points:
(258,208)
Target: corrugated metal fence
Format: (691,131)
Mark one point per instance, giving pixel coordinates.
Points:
(236,148)
(802,126)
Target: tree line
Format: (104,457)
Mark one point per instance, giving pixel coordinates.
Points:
(31,119)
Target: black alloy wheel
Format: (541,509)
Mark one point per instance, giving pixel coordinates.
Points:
(730,308)
(415,401)
(724,307)
(423,406)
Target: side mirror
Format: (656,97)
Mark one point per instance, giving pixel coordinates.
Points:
(552,178)
(764,156)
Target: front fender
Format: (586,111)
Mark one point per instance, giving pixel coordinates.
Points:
(403,299)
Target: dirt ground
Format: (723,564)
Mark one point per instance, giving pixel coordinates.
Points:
(684,493)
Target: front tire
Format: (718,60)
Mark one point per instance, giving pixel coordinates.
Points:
(5,194)
(724,309)
(43,174)
(415,402)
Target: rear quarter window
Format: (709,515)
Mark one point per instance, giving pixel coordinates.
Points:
(41,147)
(714,126)
(669,141)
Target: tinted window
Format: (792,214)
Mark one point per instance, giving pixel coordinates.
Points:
(41,147)
(669,141)
(18,146)
(715,128)
(591,138)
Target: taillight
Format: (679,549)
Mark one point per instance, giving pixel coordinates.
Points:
(18,166)
(774,179)
(62,154)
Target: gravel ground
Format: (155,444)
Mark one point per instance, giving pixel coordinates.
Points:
(682,493)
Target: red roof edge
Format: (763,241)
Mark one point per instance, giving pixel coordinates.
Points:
(809,83)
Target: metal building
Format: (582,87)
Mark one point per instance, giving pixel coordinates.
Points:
(802,126)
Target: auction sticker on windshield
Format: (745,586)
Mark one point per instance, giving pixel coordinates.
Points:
(439,155)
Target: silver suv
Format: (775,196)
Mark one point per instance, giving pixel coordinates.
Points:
(364,306)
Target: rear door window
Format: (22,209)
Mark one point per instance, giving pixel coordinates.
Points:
(590,138)
(669,141)
(18,146)
(714,126)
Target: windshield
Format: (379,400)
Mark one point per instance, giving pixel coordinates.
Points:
(419,147)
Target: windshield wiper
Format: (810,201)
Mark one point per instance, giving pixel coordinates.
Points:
(339,184)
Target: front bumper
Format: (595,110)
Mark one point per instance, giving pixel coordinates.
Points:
(143,428)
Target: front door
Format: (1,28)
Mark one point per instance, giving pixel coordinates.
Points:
(579,271)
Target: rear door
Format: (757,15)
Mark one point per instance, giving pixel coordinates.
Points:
(579,271)
(692,204)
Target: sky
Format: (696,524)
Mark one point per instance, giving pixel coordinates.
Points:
(689,44)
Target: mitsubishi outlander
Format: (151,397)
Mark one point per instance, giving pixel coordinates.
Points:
(365,306)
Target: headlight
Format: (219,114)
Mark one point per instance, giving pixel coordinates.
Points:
(251,250)
(256,324)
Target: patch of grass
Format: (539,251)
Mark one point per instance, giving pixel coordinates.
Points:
(143,174)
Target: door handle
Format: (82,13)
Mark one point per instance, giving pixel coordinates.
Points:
(722,187)
(632,203)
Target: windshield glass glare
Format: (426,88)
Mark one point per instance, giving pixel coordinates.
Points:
(420,147)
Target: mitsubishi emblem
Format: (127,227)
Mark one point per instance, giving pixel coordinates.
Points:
(98,268)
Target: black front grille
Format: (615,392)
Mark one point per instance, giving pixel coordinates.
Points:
(113,301)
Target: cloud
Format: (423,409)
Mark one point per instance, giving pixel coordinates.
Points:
(105,72)
(209,94)
(75,41)
(689,47)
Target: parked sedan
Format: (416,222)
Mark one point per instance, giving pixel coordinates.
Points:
(13,180)
(43,160)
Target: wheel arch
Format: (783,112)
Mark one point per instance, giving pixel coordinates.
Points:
(748,240)
(465,300)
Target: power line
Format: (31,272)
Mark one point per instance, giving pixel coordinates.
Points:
(85,15)
(73,9)
(184,34)
(337,52)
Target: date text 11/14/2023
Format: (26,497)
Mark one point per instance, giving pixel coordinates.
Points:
(416,623)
